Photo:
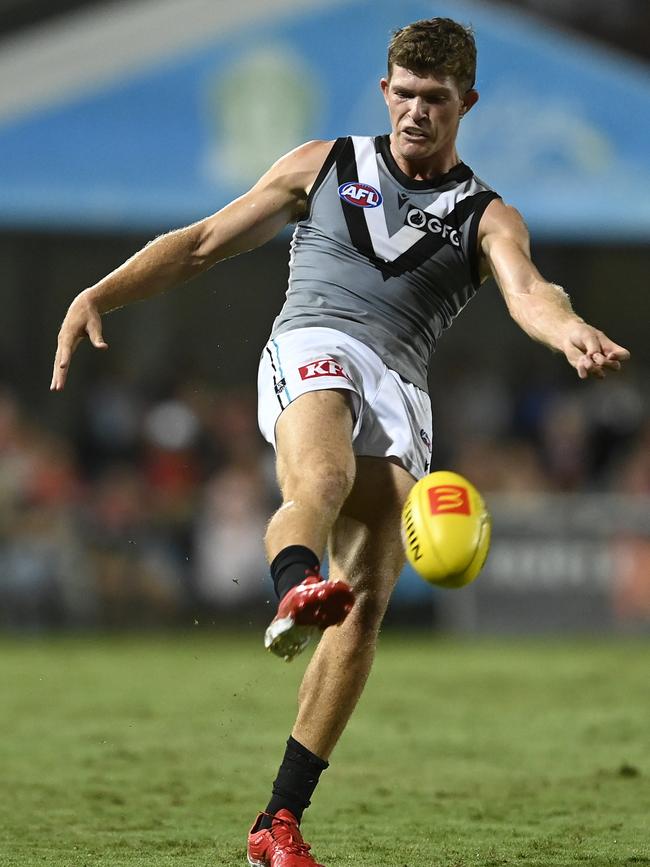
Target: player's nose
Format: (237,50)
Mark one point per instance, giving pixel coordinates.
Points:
(417,107)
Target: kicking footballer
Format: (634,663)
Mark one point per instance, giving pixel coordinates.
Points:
(393,236)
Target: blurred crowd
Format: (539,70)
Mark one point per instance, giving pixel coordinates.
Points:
(153,511)
(539,436)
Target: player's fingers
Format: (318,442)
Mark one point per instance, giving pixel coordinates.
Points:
(64,352)
(58,381)
(582,364)
(55,380)
(61,363)
(617,353)
(603,362)
(94,332)
(611,364)
(58,377)
(586,366)
(593,367)
(589,342)
(606,346)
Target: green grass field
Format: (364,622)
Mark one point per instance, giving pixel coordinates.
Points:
(159,751)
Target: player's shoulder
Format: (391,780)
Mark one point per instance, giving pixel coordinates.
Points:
(294,173)
(307,156)
(501,218)
(298,168)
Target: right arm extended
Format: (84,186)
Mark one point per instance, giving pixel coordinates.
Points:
(277,199)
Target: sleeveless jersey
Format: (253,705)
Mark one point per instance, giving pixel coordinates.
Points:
(384,258)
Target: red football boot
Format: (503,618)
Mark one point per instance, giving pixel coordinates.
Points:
(313,604)
(281,845)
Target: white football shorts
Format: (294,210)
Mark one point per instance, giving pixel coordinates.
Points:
(392,416)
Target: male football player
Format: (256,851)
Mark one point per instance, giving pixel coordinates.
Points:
(393,236)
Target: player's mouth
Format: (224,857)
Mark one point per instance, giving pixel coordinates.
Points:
(414,134)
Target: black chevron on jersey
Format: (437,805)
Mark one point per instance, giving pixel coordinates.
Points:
(431,244)
(421,250)
(346,170)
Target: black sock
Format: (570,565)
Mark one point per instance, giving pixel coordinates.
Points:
(297,778)
(290,567)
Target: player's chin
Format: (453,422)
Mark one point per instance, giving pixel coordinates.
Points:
(416,146)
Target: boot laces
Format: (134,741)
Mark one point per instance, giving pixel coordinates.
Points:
(288,836)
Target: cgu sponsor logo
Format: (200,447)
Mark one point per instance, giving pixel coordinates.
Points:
(361,195)
(322,367)
(449,500)
(416,218)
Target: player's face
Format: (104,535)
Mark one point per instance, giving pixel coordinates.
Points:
(424,112)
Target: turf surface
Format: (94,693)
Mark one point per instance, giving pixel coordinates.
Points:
(159,751)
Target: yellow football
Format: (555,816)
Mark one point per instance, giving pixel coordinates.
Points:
(446,529)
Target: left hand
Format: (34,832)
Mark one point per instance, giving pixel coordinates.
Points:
(591,351)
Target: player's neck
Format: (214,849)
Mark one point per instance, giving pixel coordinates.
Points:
(423,170)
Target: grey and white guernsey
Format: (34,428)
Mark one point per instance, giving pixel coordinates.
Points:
(384,258)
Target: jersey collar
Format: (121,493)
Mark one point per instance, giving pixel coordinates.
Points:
(459,172)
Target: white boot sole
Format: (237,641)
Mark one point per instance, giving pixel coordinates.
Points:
(285,639)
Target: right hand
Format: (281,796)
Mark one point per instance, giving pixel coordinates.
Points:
(591,351)
(82,319)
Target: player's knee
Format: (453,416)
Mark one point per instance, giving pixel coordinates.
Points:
(334,483)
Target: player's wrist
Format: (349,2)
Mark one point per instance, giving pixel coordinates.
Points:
(95,299)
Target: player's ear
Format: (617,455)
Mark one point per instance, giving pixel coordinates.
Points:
(469,100)
(384,88)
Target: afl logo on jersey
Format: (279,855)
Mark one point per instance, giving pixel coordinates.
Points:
(361,195)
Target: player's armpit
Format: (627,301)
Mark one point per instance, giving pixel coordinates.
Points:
(277,199)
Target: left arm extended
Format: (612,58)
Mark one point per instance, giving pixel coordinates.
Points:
(541,308)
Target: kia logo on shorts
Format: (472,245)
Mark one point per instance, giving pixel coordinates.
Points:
(360,195)
(322,367)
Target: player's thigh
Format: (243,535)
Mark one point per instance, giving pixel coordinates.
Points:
(365,545)
(314,440)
